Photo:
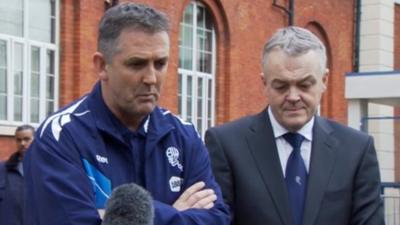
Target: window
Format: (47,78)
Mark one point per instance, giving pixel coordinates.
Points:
(28,56)
(197,56)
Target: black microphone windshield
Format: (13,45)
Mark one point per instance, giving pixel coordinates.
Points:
(129,204)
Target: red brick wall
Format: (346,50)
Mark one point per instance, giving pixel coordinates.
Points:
(8,147)
(242,29)
(78,38)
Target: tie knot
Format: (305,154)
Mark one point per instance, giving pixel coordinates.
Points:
(294,139)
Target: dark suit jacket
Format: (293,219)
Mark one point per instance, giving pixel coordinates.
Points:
(343,184)
(11,192)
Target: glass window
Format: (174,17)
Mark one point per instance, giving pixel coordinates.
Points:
(3,80)
(28,56)
(196,67)
(40,11)
(12,17)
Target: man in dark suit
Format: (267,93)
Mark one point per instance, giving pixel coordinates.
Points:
(288,166)
(12,179)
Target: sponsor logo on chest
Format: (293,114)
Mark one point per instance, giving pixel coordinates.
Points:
(175,183)
(102,159)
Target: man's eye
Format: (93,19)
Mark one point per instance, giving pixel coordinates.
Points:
(280,87)
(304,86)
(137,64)
(159,64)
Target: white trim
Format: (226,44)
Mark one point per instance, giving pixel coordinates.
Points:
(11,41)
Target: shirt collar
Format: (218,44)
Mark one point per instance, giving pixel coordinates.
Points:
(279,130)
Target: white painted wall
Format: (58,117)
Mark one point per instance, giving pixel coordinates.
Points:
(377,54)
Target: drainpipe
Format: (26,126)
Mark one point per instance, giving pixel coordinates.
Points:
(289,12)
(357,28)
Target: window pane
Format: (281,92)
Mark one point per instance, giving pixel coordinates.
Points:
(188,15)
(35,85)
(3,67)
(208,41)
(209,88)
(186,59)
(35,59)
(200,61)
(18,57)
(207,62)
(40,13)
(200,87)
(50,87)
(34,110)
(18,83)
(200,39)
(200,16)
(209,99)
(50,62)
(3,81)
(209,20)
(3,107)
(3,53)
(17,109)
(50,75)
(49,108)
(12,17)
(187,36)
(204,62)
(199,108)
(199,125)
(53,21)
(180,77)
(189,98)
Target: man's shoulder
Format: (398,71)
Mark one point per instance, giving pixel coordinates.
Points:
(173,120)
(238,125)
(74,114)
(342,131)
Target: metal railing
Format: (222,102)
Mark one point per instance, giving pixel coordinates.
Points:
(390,193)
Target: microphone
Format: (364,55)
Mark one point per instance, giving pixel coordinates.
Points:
(129,204)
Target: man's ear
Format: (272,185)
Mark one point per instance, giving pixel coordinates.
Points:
(100,66)
(264,81)
(325,79)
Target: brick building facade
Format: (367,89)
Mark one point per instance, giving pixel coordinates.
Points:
(241,29)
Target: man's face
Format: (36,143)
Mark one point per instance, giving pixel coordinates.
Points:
(294,86)
(131,82)
(23,139)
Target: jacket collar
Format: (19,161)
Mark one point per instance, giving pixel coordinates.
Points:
(13,161)
(155,124)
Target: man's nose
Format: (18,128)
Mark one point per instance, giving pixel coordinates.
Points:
(150,75)
(293,95)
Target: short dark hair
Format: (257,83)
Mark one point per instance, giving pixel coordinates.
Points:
(127,15)
(25,127)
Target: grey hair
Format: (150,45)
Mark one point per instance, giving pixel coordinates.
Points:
(127,16)
(295,41)
(25,127)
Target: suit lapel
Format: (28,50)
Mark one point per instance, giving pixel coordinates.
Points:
(322,163)
(262,146)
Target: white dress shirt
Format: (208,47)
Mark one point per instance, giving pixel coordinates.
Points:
(284,148)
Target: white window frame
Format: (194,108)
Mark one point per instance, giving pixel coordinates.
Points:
(183,75)
(7,126)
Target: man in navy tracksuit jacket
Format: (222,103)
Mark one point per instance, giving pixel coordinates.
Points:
(117,135)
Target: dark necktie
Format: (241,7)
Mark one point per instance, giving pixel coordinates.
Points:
(296,177)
